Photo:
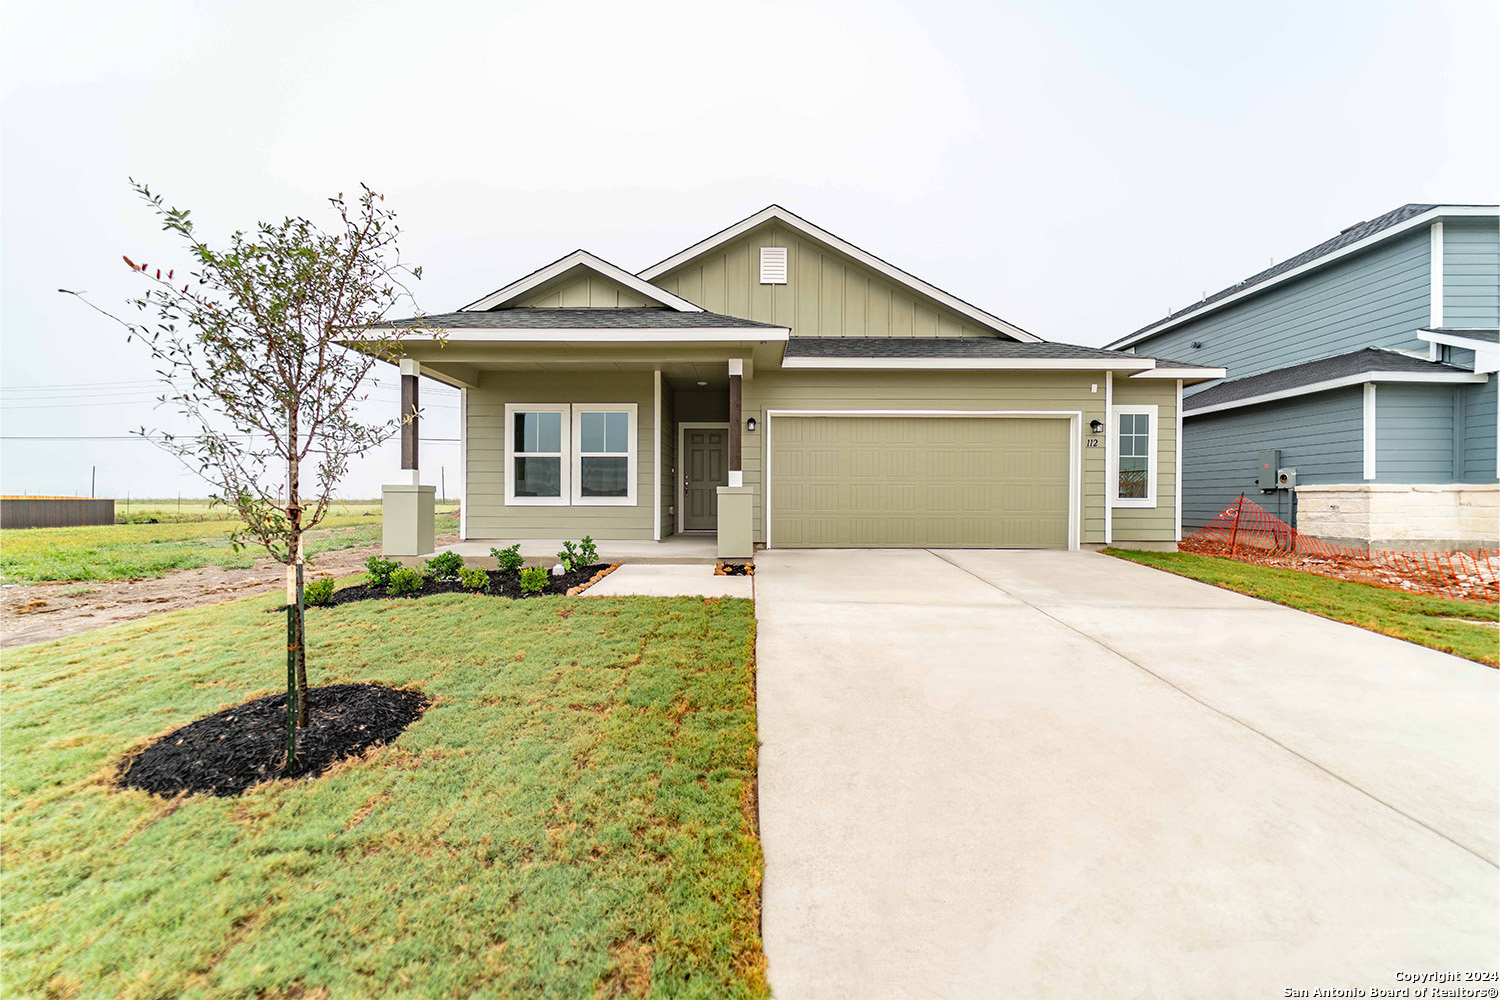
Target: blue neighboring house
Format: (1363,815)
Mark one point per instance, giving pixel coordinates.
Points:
(1370,362)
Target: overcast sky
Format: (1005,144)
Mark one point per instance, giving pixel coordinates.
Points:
(1075,167)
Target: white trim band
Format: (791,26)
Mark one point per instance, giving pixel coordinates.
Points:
(1338,383)
(580,259)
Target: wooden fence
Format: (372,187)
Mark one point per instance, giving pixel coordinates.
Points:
(54,512)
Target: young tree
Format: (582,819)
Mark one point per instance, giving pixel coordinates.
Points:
(266,346)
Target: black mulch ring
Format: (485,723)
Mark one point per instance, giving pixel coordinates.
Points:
(501,585)
(226,753)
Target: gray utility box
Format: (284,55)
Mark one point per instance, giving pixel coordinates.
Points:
(1265,469)
(1286,479)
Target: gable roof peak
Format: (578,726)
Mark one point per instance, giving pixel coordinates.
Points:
(579,260)
(820,235)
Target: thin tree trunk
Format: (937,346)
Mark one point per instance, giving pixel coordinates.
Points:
(294,571)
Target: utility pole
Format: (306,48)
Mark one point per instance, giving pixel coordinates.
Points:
(443,478)
(93,473)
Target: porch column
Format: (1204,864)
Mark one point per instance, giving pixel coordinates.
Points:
(736,469)
(736,527)
(407,507)
(411,372)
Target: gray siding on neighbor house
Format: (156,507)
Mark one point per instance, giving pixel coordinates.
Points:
(1471,272)
(1321,436)
(1414,440)
(1479,428)
(1377,298)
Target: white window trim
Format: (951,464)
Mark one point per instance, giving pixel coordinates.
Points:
(511,500)
(1150,409)
(632,445)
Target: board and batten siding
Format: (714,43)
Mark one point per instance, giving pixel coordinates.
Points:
(589,291)
(1377,298)
(1479,429)
(826,293)
(1471,272)
(908,390)
(488,515)
(1321,436)
(1159,523)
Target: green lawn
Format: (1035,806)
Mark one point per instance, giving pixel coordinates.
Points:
(573,817)
(126,551)
(1412,617)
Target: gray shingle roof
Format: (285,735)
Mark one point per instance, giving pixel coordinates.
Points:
(1371,359)
(1353,234)
(581,319)
(938,347)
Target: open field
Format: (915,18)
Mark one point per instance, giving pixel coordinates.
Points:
(573,817)
(128,551)
(1463,628)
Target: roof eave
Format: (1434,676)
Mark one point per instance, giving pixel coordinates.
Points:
(968,364)
(580,258)
(1344,382)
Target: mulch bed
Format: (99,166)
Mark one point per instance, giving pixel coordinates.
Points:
(501,585)
(228,752)
(734,569)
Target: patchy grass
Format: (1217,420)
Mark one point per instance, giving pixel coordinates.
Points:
(573,817)
(128,551)
(1413,617)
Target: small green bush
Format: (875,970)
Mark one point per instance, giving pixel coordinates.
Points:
(575,559)
(509,559)
(406,580)
(445,565)
(319,592)
(378,571)
(534,580)
(473,578)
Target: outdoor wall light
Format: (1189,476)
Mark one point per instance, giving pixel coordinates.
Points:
(1095,426)
(750,425)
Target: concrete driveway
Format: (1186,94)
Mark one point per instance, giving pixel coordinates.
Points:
(1054,774)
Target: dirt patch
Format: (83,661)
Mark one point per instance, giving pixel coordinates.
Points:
(722,568)
(232,750)
(41,612)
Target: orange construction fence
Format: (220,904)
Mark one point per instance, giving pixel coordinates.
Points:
(1248,532)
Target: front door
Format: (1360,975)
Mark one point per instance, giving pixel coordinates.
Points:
(705,461)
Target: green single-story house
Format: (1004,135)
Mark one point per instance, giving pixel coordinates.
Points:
(782,387)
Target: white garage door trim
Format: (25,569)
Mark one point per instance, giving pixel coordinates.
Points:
(1075,449)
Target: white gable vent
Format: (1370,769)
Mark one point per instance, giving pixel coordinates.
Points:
(773,265)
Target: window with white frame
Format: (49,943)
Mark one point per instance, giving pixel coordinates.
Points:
(536,453)
(1134,456)
(561,454)
(604,455)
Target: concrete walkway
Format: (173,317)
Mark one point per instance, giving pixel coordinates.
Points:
(1052,774)
(692,580)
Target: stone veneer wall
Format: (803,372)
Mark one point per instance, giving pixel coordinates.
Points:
(1398,516)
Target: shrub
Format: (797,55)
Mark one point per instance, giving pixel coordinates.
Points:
(509,559)
(378,571)
(319,592)
(534,580)
(473,578)
(445,565)
(406,580)
(575,559)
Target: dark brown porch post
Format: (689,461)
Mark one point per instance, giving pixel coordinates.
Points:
(736,469)
(410,372)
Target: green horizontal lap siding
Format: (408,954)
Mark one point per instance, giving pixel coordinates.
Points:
(488,515)
(1414,433)
(1321,436)
(591,291)
(1377,298)
(826,294)
(896,482)
(1471,272)
(1479,420)
(1159,523)
(956,390)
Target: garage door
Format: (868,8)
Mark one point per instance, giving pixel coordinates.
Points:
(998,482)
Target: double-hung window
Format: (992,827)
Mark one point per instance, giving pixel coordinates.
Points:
(1134,456)
(536,454)
(561,454)
(604,455)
